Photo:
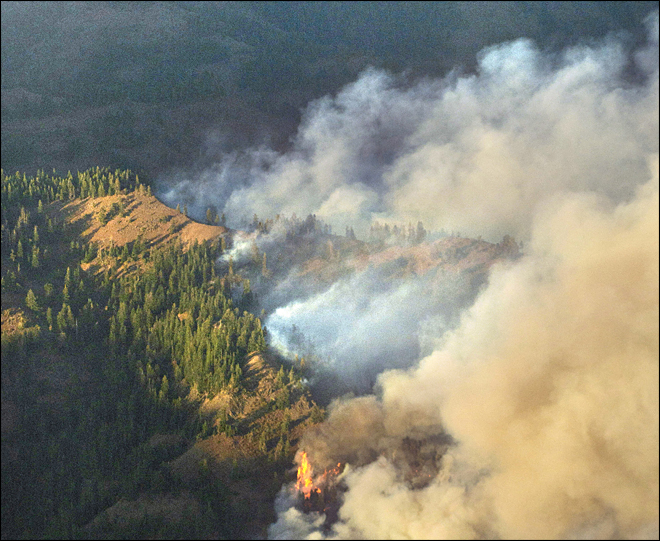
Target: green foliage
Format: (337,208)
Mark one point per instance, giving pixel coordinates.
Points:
(90,252)
(35,257)
(21,189)
(31,301)
(131,348)
(318,415)
(279,379)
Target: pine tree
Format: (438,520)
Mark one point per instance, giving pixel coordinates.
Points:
(279,379)
(31,301)
(61,318)
(164,389)
(49,318)
(69,317)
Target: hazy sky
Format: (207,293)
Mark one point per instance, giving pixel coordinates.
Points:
(162,85)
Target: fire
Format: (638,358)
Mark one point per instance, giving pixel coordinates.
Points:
(306,483)
(305,472)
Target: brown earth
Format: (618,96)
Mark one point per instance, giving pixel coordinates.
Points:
(238,462)
(469,258)
(145,216)
(13,320)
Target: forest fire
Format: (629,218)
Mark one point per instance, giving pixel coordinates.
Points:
(317,492)
(305,472)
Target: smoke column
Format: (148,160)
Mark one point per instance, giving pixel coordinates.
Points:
(549,385)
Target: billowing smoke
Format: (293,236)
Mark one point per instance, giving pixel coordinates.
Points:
(366,323)
(537,416)
(549,386)
(470,153)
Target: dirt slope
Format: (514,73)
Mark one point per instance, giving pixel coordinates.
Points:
(143,215)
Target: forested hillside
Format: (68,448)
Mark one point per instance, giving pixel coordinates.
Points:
(134,376)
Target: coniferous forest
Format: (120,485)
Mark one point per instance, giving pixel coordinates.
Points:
(105,372)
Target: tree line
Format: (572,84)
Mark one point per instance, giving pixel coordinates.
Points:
(137,345)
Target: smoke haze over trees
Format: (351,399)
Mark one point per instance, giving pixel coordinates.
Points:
(382,166)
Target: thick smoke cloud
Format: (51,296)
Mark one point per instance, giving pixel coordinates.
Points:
(548,388)
(471,153)
(550,385)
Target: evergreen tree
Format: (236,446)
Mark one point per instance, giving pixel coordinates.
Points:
(35,257)
(66,296)
(61,318)
(279,379)
(49,318)
(164,389)
(31,301)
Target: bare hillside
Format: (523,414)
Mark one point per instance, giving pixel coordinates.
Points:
(141,215)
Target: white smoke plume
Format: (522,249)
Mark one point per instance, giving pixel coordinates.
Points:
(366,323)
(472,153)
(548,388)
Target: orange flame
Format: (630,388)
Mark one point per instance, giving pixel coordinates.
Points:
(305,482)
(305,472)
